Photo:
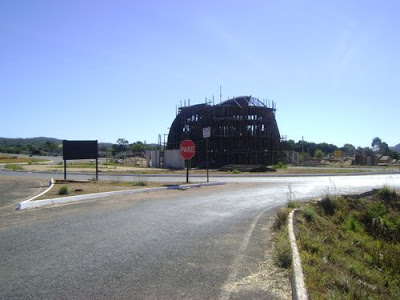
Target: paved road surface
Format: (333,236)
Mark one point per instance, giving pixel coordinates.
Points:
(195,244)
(16,189)
(181,245)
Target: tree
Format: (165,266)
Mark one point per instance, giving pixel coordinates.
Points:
(381,147)
(122,143)
(49,147)
(348,149)
(318,153)
(376,144)
(304,157)
(120,147)
(289,145)
(140,147)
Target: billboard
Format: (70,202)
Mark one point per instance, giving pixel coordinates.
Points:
(80,150)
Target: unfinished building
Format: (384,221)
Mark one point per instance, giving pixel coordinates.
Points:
(244,131)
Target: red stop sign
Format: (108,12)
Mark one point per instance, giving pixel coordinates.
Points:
(187,149)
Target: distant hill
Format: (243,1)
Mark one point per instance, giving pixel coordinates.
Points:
(27,141)
(396,148)
(36,141)
(35,145)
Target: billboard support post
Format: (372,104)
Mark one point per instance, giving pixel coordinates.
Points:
(97,169)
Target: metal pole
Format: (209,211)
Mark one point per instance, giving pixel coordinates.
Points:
(65,170)
(97,169)
(187,170)
(207,158)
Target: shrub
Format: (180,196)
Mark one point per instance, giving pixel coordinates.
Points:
(352,224)
(327,205)
(387,195)
(293,204)
(281,218)
(280,165)
(283,251)
(63,190)
(309,213)
(13,167)
(374,210)
(140,183)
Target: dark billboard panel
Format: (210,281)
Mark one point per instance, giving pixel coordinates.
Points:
(80,150)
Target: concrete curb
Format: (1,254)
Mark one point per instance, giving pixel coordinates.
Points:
(51,184)
(298,286)
(29,203)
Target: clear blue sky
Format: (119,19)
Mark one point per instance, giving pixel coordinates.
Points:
(109,69)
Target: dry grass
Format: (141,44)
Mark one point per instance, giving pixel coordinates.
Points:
(13,159)
(123,169)
(89,187)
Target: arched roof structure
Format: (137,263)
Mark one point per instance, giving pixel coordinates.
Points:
(243,131)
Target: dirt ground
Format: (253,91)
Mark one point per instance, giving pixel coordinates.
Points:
(120,169)
(102,169)
(88,187)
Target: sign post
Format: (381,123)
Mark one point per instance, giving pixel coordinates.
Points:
(187,150)
(206,135)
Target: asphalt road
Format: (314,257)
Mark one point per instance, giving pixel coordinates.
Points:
(194,244)
(180,245)
(16,189)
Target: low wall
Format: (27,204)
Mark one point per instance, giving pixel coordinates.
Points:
(173,159)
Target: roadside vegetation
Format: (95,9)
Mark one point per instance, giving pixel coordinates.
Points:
(349,245)
(72,188)
(13,159)
(13,167)
(283,254)
(64,190)
(126,167)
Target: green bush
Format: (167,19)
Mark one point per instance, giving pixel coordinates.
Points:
(281,218)
(388,196)
(280,165)
(293,204)
(63,190)
(352,224)
(308,213)
(327,205)
(283,252)
(13,167)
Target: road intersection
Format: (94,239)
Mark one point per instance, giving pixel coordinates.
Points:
(192,244)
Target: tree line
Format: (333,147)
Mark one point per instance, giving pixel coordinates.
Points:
(33,146)
(323,149)
(53,147)
(122,147)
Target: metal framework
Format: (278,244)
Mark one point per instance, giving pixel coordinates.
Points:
(243,131)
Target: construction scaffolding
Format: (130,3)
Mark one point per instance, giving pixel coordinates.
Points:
(243,132)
